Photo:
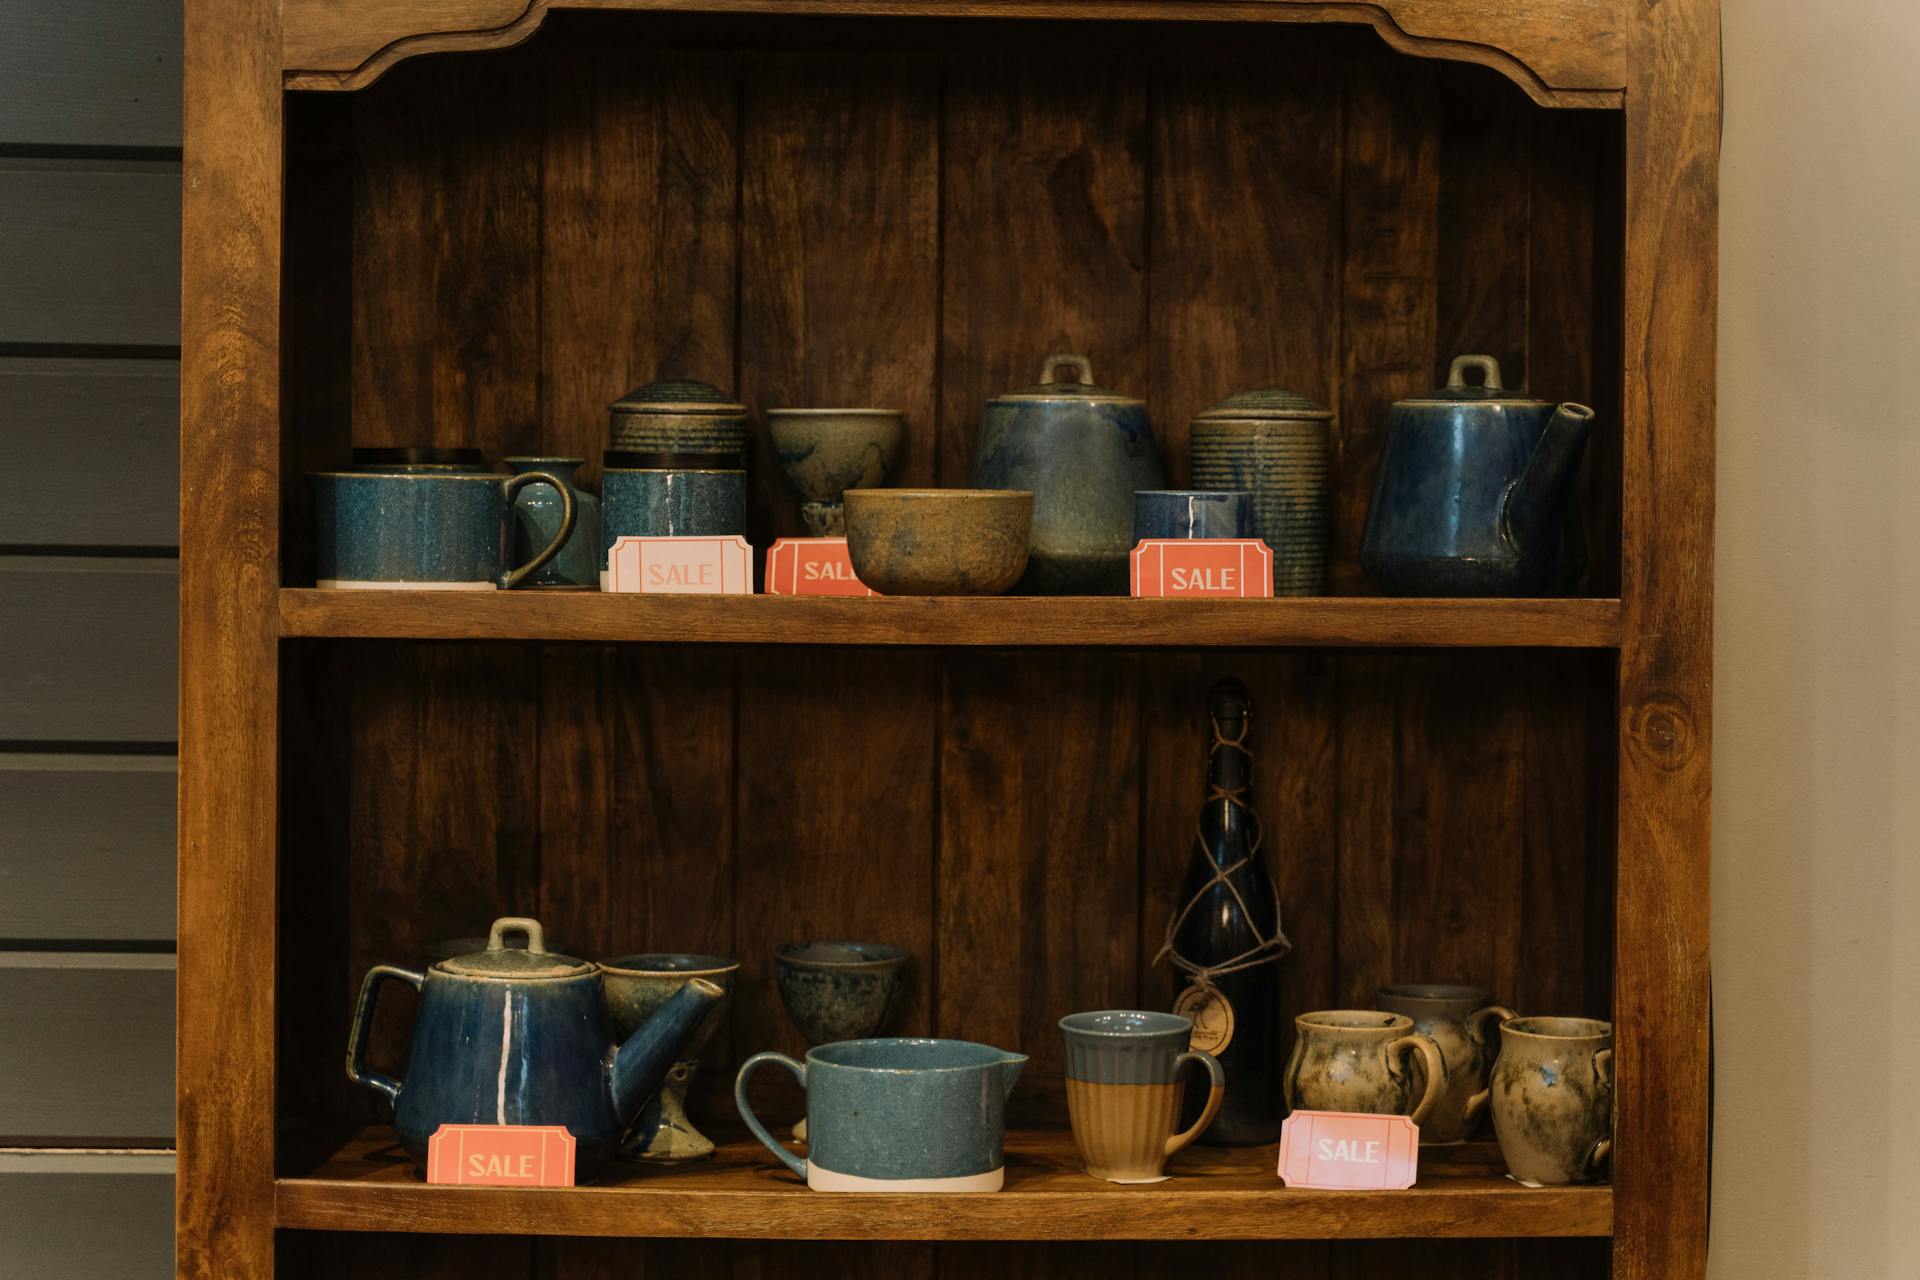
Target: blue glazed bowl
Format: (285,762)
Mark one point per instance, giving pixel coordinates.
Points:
(1192,513)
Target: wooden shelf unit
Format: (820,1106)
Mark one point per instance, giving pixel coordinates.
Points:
(477,221)
(1218,1193)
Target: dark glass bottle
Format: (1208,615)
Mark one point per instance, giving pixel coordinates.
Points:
(1226,941)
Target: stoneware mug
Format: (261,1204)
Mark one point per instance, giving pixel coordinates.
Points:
(1553,1099)
(433,528)
(896,1114)
(1123,1090)
(1192,513)
(1456,1017)
(1357,1060)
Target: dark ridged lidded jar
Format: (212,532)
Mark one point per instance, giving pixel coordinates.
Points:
(675,415)
(1273,444)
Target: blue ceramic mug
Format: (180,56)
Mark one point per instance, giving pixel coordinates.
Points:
(896,1114)
(667,495)
(439,529)
(1192,513)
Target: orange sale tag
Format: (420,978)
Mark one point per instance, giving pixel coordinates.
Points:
(1202,567)
(1348,1151)
(717,566)
(500,1155)
(813,567)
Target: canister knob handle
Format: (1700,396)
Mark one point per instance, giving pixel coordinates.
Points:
(1489,372)
(1079,364)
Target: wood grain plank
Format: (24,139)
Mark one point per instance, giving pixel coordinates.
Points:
(93,73)
(86,851)
(89,648)
(57,1010)
(117,419)
(100,1215)
(96,243)
(1044,226)
(328,1256)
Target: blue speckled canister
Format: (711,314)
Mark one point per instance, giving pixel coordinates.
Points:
(897,1114)
(429,529)
(656,495)
(1192,513)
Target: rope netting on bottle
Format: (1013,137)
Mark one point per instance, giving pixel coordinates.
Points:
(1266,949)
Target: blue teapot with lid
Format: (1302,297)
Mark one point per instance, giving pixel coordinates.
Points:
(521,1036)
(1472,497)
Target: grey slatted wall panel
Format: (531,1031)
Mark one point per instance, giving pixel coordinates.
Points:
(91,73)
(99,441)
(89,649)
(86,1049)
(86,1216)
(86,848)
(92,252)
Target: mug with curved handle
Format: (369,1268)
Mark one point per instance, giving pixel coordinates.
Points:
(767,1140)
(1395,1054)
(357,1069)
(1216,1094)
(1477,1033)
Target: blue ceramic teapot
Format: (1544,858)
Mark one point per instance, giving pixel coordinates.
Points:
(1472,495)
(511,1036)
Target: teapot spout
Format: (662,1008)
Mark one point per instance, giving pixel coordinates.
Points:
(642,1063)
(1533,506)
(1010,1071)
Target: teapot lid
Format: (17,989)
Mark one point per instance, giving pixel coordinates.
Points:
(676,395)
(1079,391)
(1266,402)
(502,961)
(1489,390)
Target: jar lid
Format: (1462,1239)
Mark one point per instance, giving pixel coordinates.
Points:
(1266,402)
(1489,390)
(640,460)
(677,395)
(533,961)
(1080,391)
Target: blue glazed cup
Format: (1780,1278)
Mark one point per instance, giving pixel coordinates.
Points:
(1192,513)
(1123,1090)
(436,528)
(896,1114)
(651,495)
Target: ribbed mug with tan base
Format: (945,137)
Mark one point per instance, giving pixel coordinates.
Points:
(1123,1090)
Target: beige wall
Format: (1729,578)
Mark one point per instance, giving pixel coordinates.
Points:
(1816,882)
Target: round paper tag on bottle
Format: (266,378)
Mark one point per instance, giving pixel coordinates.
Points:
(1212,1018)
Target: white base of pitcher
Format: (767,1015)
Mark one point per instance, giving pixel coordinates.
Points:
(819,1179)
(361,584)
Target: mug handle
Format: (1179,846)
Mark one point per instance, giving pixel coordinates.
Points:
(1477,1032)
(363,1023)
(1436,1069)
(1216,1094)
(759,1130)
(514,577)
(1603,1072)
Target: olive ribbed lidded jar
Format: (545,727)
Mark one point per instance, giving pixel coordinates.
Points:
(677,415)
(1273,444)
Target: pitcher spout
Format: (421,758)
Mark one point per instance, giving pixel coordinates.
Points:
(641,1064)
(1534,504)
(1010,1071)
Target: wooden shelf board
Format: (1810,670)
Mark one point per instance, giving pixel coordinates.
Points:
(741,1193)
(1014,621)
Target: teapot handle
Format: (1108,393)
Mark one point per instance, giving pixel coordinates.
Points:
(1079,364)
(1489,372)
(363,1022)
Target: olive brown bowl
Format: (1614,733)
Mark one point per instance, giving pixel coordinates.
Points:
(939,542)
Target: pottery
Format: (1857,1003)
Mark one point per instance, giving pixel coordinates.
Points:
(1083,451)
(1553,1099)
(663,495)
(1457,1018)
(1273,444)
(536,517)
(938,542)
(521,1036)
(1357,1060)
(1473,492)
(636,987)
(825,452)
(1123,1089)
(427,528)
(1191,513)
(896,1115)
(677,415)
(841,990)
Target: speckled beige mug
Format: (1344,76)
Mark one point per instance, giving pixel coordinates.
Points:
(1456,1017)
(1553,1099)
(1356,1060)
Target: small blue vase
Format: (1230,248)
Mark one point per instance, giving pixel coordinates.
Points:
(536,518)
